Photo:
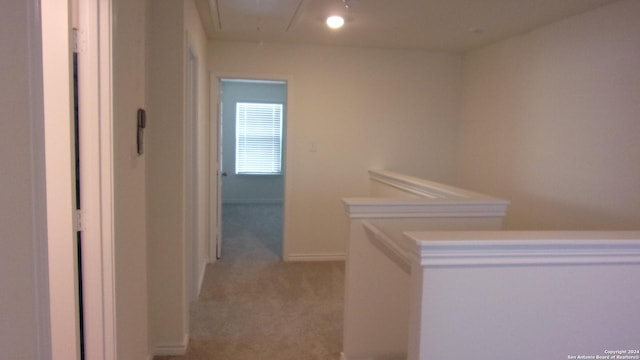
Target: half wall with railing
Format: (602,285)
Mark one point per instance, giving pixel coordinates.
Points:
(430,276)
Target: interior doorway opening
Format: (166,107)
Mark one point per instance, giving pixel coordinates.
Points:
(251,162)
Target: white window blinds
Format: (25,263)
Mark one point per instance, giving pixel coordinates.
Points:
(258,138)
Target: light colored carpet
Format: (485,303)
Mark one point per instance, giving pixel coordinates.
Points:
(254,306)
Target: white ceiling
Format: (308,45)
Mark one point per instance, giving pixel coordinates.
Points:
(445,25)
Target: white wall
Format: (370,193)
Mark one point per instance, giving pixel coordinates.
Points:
(23,296)
(197,41)
(173,25)
(165,183)
(360,109)
(550,121)
(248,188)
(129,180)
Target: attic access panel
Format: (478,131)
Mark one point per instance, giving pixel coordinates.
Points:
(248,16)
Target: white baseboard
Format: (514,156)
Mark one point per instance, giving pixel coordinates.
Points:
(250,201)
(172,349)
(201,278)
(344,357)
(316,257)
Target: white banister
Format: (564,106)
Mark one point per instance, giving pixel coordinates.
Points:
(493,248)
(395,195)
(417,186)
(429,276)
(377,294)
(388,246)
(362,208)
(527,295)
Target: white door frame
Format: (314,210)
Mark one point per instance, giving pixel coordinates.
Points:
(57,98)
(96,171)
(95,74)
(216,153)
(191,175)
(57,111)
(215,246)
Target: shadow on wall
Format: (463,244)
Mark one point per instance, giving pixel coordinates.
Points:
(535,212)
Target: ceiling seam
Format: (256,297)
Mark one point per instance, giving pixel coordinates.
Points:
(295,15)
(218,14)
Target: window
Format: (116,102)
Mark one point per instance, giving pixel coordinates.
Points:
(258,138)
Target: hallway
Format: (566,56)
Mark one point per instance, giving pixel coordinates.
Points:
(254,306)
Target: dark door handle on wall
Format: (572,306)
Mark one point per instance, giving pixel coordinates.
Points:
(224,173)
(142,124)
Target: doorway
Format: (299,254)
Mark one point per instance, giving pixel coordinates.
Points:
(251,153)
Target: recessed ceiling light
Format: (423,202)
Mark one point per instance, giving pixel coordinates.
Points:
(335,22)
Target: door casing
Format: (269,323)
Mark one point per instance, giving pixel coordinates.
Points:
(216,86)
(95,91)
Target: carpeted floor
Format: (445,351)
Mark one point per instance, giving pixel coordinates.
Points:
(254,306)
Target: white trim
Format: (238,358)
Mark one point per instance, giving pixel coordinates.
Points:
(413,185)
(421,187)
(172,349)
(251,201)
(95,90)
(396,208)
(389,247)
(435,200)
(188,231)
(362,208)
(239,76)
(215,153)
(57,99)
(253,81)
(518,248)
(106,178)
(343,356)
(316,257)
(191,169)
(203,270)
